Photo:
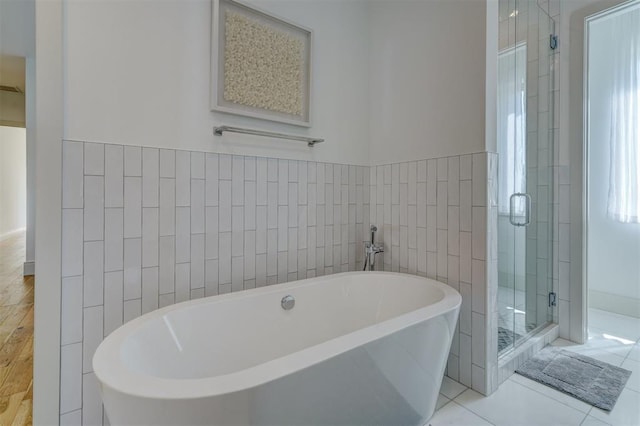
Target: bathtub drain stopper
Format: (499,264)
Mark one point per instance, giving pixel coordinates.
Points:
(288,302)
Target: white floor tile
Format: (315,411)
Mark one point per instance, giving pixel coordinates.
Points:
(634,354)
(612,334)
(450,388)
(564,343)
(598,351)
(592,421)
(623,326)
(515,404)
(599,343)
(521,401)
(551,393)
(625,413)
(634,381)
(442,401)
(456,415)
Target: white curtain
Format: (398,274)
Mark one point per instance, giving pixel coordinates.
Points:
(624,178)
(512,121)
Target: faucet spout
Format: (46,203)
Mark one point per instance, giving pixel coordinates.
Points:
(373,230)
(371,249)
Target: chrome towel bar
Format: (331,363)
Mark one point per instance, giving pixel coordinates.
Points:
(218,131)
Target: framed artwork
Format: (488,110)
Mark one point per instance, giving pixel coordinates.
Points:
(260,64)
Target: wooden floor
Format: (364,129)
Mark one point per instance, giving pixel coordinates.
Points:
(16,334)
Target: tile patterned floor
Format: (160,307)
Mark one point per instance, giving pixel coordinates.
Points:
(520,401)
(16,334)
(506,337)
(512,314)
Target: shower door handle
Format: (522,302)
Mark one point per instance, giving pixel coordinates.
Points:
(527,209)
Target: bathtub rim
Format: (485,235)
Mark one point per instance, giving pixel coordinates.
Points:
(112,372)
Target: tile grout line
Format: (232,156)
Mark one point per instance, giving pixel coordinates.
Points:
(585,418)
(83,283)
(470,410)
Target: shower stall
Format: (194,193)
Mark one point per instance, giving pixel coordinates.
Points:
(526,123)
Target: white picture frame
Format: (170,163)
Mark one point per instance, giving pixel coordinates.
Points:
(228,92)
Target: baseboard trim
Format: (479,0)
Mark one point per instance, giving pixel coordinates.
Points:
(614,303)
(29,268)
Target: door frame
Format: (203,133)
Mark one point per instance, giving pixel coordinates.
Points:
(49,126)
(601,14)
(577,152)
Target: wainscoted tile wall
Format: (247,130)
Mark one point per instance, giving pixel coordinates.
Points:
(438,218)
(144,228)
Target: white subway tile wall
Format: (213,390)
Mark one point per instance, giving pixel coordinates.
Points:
(152,227)
(144,228)
(436,219)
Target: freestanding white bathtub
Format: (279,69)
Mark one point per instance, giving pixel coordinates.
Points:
(358,348)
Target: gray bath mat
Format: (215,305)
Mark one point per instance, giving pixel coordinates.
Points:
(587,379)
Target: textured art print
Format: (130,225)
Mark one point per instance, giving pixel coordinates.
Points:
(263,67)
(260,64)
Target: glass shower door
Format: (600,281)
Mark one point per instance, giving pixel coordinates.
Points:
(513,201)
(525,150)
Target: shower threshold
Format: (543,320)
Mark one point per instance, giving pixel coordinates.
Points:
(509,341)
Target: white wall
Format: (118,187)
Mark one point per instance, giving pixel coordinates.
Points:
(13,177)
(393,80)
(613,247)
(138,73)
(427,84)
(30,95)
(17,27)
(47,121)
